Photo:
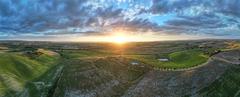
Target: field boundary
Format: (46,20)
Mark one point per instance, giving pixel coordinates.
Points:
(189,68)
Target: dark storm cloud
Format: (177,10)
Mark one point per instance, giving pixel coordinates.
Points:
(93,17)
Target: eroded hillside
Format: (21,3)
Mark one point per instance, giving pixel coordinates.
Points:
(100,77)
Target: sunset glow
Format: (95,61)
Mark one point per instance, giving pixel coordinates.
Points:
(119,40)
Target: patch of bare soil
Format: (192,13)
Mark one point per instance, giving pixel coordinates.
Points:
(232,56)
(47,52)
(3,49)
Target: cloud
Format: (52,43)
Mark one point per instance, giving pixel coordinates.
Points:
(96,17)
(199,16)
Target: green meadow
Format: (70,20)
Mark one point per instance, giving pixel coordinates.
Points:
(177,60)
(18,69)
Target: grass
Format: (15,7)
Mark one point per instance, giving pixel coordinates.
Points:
(228,85)
(34,76)
(42,86)
(17,70)
(2,89)
(117,66)
(17,66)
(114,73)
(177,60)
(71,54)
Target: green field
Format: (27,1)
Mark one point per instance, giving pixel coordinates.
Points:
(177,60)
(18,69)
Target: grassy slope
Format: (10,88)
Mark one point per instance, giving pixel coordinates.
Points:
(187,58)
(43,85)
(181,59)
(228,85)
(16,70)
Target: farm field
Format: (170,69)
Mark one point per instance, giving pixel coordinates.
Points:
(99,77)
(193,68)
(177,60)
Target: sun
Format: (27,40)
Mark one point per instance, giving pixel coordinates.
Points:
(119,40)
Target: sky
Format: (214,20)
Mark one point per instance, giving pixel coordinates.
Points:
(138,20)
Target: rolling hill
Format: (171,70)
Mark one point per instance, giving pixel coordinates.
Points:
(18,69)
